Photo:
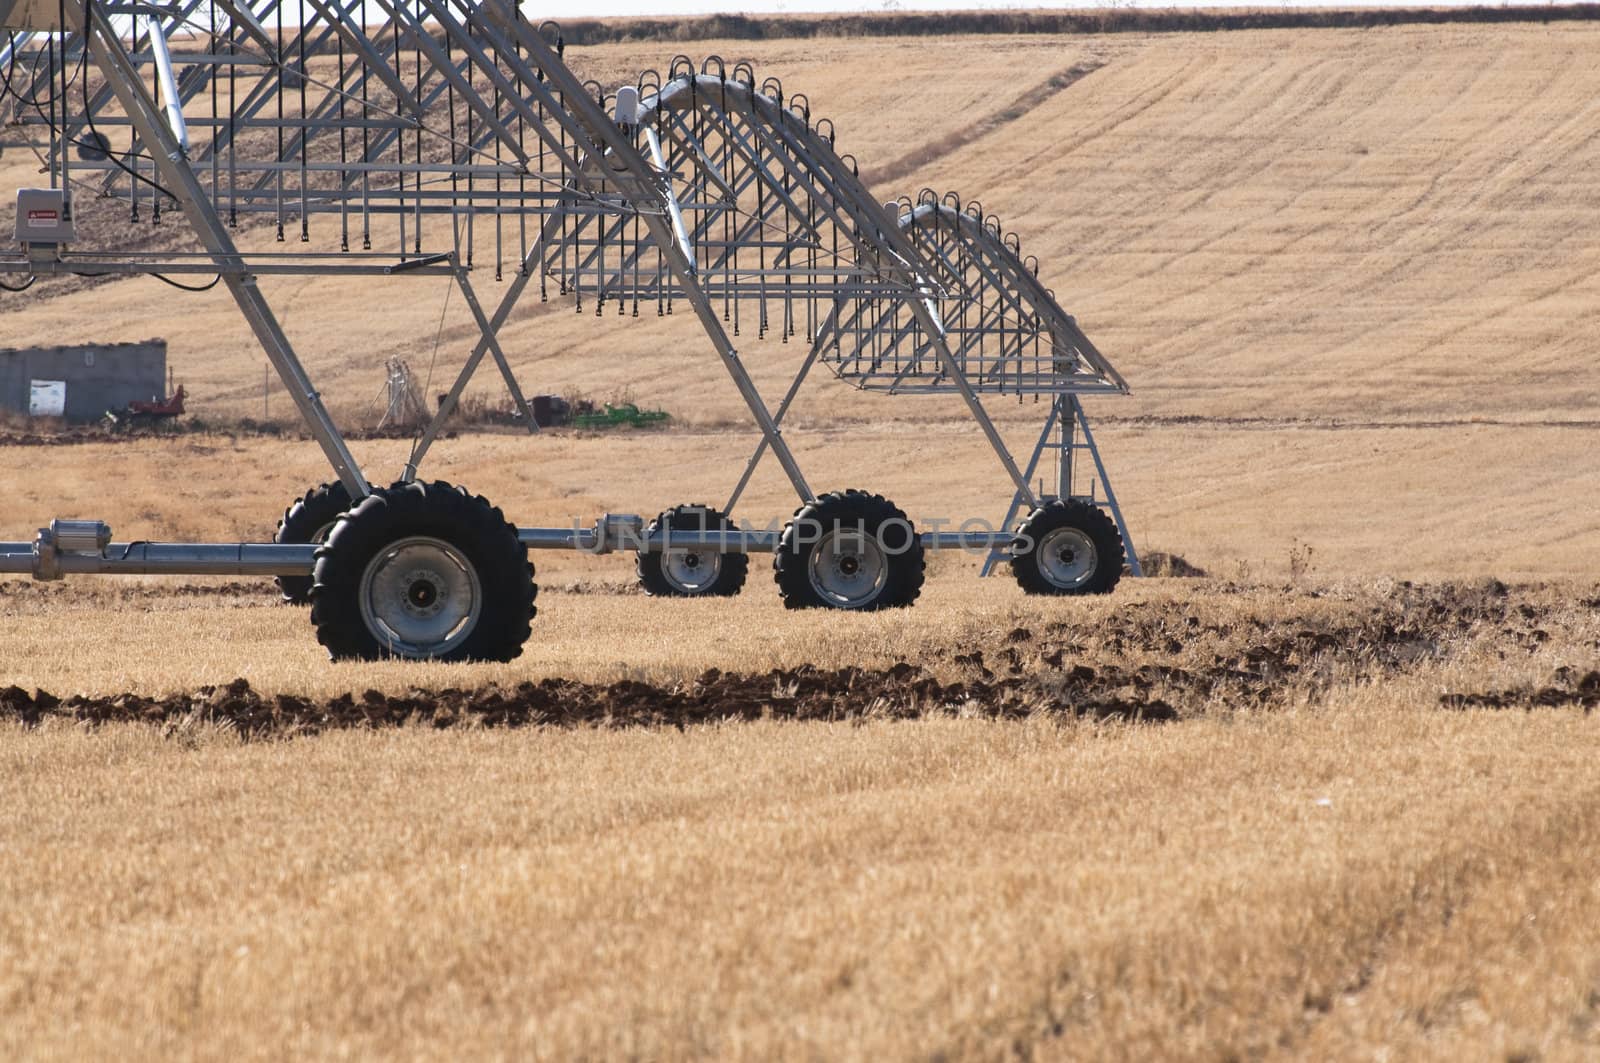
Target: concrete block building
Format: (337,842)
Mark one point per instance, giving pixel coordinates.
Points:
(81,382)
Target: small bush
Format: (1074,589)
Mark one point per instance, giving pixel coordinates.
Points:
(1169,566)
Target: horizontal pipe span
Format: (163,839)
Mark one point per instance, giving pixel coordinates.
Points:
(735,541)
(588,540)
(748,542)
(328,267)
(976,540)
(172,559)
(557,538)
(291,559)
(766,542)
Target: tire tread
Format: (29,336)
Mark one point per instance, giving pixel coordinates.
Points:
(1084,516)
(470,523)
(907,572)
(735,563)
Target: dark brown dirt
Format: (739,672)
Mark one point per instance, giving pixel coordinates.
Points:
(61,591)
(1567,689)
(806,693)
(1154,662)
(63,437)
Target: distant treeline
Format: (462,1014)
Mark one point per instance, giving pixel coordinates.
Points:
(1110,20)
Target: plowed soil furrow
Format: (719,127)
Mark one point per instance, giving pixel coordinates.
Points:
(1155,661)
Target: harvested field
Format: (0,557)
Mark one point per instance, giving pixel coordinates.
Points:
(1204,820)
(1332,880)
(1333,797)
(1354,224)
(1425,504)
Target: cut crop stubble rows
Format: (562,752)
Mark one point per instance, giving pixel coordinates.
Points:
(1347,867)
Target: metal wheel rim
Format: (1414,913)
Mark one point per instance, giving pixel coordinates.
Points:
(848,569)
(420,597)
(1067,557)
(690,571)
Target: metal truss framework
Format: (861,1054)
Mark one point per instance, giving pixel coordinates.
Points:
(448,125)
(1000,327)
(1003,327)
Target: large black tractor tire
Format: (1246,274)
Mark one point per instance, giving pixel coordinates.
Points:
(424,572)
(691,572)
(309,520)
(849,550)
(1067,547)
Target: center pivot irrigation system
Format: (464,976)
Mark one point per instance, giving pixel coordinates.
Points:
(424,129)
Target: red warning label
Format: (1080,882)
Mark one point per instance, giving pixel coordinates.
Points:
(44,217)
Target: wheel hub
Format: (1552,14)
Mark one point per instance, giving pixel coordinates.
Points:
(1067,557)
(848,569)
(421,596)
(691,570)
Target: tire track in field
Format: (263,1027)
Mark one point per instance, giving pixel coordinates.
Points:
(1236,170)
(1229,176)
(1070,142)
(1408,265)
(921,155)
(1432,903)
(1559,140)
(1096,126)
(1260,261)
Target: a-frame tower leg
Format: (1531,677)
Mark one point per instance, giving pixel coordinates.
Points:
(1066,422)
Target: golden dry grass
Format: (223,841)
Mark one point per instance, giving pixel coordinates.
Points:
(1412,503)
(178,640)
(1351,868)
(1340,881)
(1372,230)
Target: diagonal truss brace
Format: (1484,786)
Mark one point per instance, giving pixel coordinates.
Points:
(930,321)
(118,69)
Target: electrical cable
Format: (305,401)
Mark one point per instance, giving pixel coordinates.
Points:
(212,283)
(163,278)
(427,384)
(102,139)
(100,143)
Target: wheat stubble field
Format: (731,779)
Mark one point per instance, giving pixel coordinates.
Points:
(1335,799)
